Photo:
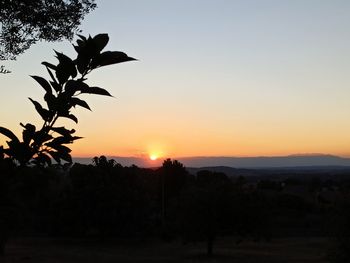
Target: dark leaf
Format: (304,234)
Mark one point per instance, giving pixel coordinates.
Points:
(51,75)
(70,116)
(44,113)
(57,87)
(65,139)
(77,48)
(66,157)
(96,90)
(49,65)
(65,68)
(82,62)
(43,82)
(63,131)
(28,132)
(55,156)
(62,73)
(63,104)
(82,37)
(109,58)
(76,138)
(100,41)
(62,140)
(8,134)
(77,101)
(51,101)
(20,151)
(2,153)
(42,136)
(58,147)
(73,86)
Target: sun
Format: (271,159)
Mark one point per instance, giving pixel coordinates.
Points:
(153,157)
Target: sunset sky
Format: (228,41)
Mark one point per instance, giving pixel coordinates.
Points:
(214,78)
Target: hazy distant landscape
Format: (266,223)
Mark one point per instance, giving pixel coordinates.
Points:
(238,162)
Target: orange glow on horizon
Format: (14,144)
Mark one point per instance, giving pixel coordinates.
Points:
(188,143)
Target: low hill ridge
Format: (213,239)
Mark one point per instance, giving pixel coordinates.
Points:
(297,160)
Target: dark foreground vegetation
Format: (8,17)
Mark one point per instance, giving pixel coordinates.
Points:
(45,250)
(105,205)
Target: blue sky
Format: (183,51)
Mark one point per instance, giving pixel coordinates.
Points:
(233,78)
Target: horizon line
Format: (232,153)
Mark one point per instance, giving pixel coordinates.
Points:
(218,156)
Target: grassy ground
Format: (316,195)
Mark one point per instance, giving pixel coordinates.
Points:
(44,250)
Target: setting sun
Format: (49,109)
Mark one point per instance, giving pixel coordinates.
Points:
(153,157)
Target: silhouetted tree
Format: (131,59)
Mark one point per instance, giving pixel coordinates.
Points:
(205,210)
(105,200)
(174,174)
(172,179)
(25,22)
(251,216)
(103,163)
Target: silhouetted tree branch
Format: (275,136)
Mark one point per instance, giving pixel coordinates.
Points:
(67,82)
(24,22)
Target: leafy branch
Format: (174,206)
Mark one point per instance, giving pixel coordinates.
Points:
(67,82)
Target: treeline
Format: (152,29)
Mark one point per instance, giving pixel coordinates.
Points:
(105,199)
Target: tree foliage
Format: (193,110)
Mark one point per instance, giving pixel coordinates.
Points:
(67,81)
(206,209)
(24,22)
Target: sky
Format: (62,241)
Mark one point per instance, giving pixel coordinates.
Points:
(213,78)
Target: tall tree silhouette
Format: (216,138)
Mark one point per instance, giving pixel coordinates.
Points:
(67,82)
(172,179)
(25,22)
(174,175)
(206,210)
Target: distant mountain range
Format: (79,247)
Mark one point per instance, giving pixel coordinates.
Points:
(304,161)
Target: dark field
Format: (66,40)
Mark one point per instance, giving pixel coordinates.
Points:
(40,250)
